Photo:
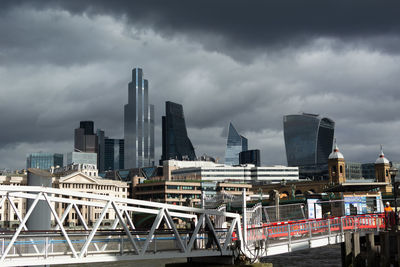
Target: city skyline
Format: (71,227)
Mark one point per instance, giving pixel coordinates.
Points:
(251,66)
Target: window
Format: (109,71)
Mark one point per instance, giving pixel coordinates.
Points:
(341,169)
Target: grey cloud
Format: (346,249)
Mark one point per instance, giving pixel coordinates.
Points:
(64,67)
(243,30)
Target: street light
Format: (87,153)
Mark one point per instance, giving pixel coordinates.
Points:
(393,172)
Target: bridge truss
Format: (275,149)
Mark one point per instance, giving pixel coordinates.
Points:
(119,241)
(214,233)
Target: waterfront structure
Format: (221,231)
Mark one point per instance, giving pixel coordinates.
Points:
(81,158)
(44,161)
(84,139)
(113,154)
(138,124)
(250,157)
(209,171)
(235,144)
(175,141)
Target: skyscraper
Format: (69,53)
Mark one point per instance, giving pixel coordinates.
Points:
(235,144)
(308,139)
(113,154)
(44,161)
(175,141)
(138,124)
(85,140)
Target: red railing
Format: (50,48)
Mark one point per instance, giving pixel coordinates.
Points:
(316,227)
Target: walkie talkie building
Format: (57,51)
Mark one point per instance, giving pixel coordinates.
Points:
(308,141)
(138,124)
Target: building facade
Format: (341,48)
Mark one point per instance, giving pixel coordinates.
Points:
(308,143)
(44,161)
(100,153)
(250,157)
(81,158)
(175,141)
(84,139)
(138,124)
(79,178)
(235,144)
(186,193)
(113,154)
(308,139)
(210,171)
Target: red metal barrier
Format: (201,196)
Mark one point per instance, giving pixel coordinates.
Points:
(316,226)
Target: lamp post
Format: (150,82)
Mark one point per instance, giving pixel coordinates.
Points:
(393,172)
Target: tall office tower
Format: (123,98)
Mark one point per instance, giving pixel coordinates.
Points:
(235,144)
(308,139)
(175,141)
(250,157)
(138,124)
(44,161)
(100,150)
(85,139)
(113,154)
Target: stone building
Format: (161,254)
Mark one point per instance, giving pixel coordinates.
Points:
(79,178)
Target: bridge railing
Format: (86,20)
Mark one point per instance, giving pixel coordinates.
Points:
(120,239)
(307,229)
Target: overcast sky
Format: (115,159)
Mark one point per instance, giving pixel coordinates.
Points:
(246,62)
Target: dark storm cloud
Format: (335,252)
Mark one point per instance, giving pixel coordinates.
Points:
(235,27)
(247,62)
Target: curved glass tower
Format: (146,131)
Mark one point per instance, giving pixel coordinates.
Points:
(308,139)
(234,145)
(175,141)
(138,124)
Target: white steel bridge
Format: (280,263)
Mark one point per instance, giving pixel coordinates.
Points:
(215,232)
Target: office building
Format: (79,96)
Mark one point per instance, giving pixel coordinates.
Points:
(175,141)
(113,154)
(85,140)
(44,161)
(250,157)
(308,139)
(100,150)
(209,171)
(81,158)
(235,144)
(308,142)
(186,193)
(138,124)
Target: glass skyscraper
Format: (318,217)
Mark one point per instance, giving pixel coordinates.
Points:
(44,161)
(308,139)
(234,145)
(138,124)
(175,141)
(113,154)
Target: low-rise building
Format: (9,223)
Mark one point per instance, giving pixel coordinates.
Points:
(186,193)
(209,171)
